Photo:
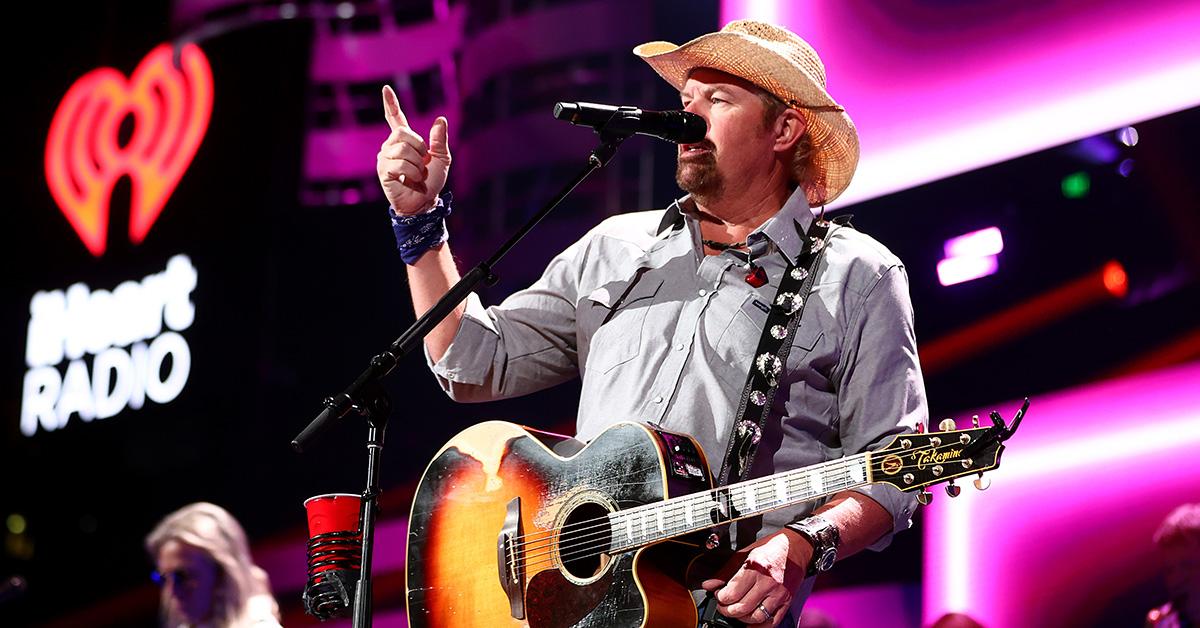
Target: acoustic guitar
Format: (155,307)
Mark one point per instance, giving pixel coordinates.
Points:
(515,527)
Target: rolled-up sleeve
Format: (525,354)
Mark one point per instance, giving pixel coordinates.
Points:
(881,392)
(525,344)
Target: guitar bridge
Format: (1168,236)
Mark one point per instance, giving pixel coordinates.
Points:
(509,559)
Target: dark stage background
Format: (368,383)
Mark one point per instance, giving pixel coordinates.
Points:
(299,284)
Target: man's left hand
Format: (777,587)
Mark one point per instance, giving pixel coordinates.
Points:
(760,592)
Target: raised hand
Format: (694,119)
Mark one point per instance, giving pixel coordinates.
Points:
(411,172)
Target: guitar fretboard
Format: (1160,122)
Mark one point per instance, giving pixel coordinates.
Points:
(651,523)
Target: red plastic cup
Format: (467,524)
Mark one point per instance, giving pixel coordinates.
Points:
(334,512)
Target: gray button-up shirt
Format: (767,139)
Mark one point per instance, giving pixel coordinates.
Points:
(661,332)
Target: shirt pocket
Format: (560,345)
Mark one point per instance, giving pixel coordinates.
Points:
(619,337)
(745,330)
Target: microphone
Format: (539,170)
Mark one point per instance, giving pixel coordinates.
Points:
(681,127)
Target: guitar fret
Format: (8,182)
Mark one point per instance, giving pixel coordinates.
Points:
(658,518)
(781,492)
(817,482)
(857,472)
(748,496)
(687,514)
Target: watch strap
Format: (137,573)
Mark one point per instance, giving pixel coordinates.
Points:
(825,539)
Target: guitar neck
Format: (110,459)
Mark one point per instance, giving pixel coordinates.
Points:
(659,521)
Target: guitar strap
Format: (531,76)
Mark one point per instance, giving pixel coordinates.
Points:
(771,356)
(762,382)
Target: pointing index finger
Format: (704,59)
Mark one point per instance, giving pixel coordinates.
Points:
(391,109)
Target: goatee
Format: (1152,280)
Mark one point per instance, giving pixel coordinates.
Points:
(698,176)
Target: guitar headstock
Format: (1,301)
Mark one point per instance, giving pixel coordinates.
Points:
(914,461)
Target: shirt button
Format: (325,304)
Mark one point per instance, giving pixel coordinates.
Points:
(703,292)
(658,399)
(679,347)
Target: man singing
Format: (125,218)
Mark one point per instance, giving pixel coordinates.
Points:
(660,312)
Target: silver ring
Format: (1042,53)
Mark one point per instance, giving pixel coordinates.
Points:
(766,612)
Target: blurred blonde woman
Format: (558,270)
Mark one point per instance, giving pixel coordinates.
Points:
(208,578)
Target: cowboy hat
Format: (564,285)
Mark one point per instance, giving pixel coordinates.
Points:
(782,63)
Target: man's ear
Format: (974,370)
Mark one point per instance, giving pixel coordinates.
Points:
(789,128)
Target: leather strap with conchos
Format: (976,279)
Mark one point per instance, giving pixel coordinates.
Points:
(771,356)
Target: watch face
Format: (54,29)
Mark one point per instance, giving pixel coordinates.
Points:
(828,557)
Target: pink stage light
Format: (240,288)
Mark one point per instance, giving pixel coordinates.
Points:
(940,88)
(1088,466)
(956,270)
(976,244)
(970,256)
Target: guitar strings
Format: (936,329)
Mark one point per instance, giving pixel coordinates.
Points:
(584,539)
(580,548)
(569,551)
(793,482)
(791,475)
(601,534)
(588,549)
(603,527)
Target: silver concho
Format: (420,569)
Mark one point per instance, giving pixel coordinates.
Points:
(748,428)
(817,243)
(758,398)
(778,332)
(769,364)
(799,274)
(790,302)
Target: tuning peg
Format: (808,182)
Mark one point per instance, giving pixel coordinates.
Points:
(953,489)
(924,497)
(982,483)
(947,425)
(975,421)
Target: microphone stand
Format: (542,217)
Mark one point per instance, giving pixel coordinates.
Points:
(367,397)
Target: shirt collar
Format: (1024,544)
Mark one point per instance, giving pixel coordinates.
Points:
(673,218)
(786,229)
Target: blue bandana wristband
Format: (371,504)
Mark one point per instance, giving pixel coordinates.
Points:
(418,233)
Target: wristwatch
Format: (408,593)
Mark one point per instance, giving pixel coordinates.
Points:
(824,538)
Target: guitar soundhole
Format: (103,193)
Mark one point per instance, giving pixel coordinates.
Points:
(584,540)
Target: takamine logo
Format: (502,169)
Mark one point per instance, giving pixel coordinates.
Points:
(926,458)
(169,107)
(93,353)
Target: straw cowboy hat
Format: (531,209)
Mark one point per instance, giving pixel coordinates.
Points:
(778,61)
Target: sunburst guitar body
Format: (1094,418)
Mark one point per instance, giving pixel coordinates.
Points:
(459,575)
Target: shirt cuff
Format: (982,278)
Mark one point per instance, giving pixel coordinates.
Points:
(899,504)
(476,336)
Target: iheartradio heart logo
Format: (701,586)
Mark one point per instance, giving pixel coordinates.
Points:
(169,107)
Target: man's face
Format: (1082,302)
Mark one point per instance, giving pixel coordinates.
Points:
(1181,571)
(190,578)
(738,145)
